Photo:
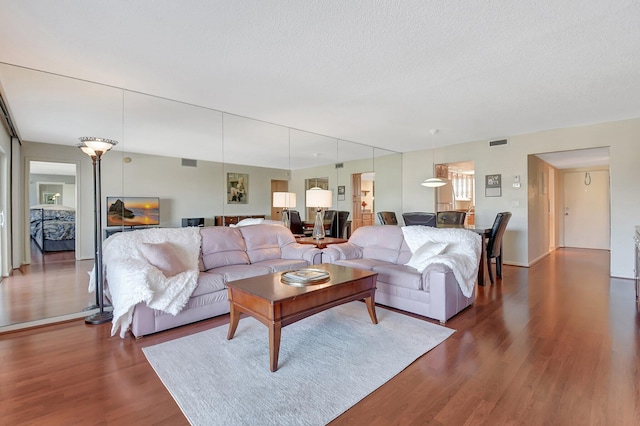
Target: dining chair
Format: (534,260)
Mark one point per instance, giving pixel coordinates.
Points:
(295,223)
(387,218)
(494,243)
(419,218)
(338,224)
(451,218)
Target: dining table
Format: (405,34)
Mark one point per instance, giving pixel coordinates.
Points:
(485,233)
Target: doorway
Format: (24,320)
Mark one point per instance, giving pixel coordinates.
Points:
(574,194)
(52,187)
(459,192)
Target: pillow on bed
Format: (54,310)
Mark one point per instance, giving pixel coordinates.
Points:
(428,250)
(163,256)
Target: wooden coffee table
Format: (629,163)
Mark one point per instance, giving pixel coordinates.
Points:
(276,304)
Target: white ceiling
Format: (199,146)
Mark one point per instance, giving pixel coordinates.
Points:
(380,73)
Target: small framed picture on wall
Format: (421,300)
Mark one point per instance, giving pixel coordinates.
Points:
(493,186)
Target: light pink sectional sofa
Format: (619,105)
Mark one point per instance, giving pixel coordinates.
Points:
(229,254)
(433,293)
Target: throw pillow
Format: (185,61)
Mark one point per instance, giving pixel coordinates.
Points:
(421,257)
(163,256)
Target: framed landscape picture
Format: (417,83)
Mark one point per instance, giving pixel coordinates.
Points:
(237,188)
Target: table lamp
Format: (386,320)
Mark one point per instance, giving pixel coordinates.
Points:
(284,200)
(319,198)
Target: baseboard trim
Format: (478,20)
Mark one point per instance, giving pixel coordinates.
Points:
(46,321)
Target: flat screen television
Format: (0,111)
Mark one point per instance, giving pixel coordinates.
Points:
(133,211)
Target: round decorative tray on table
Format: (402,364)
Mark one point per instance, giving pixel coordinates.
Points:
(305,277)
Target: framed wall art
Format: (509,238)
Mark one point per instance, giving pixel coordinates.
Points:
(237,188)
(493,186)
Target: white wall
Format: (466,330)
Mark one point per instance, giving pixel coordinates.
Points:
(623,140)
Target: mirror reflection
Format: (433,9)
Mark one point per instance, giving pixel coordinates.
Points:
(205,167)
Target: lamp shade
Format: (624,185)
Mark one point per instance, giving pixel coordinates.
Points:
(434,182)
(98,145)
(284,199)
(317,197)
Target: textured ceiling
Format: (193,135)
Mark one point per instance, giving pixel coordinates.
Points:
(381,73)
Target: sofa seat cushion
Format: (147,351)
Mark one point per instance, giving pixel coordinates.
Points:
(367,264)
(209,282)
(400,275)
(238,272)
(279,265)
(222,246)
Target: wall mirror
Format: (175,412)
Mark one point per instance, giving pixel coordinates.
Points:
(181,153)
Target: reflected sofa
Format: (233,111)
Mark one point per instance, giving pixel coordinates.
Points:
(226,254)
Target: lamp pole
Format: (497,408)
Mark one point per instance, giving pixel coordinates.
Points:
(96,148)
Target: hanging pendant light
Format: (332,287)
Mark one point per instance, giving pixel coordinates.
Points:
(434,182)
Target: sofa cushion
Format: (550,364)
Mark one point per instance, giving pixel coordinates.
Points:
(238,272)
(279,265)
(405,254)
(263,242)
(379,242)
(164,256)
(209,282)
(421,257)
(400,275)
(222,246)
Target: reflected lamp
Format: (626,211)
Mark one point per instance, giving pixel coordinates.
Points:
(285,201)
(318,198)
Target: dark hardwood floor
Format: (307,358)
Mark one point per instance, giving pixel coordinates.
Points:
(53,285)
(557,343)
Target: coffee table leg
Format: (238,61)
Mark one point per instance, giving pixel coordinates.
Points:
(234,318)
(371,307)
(274,344)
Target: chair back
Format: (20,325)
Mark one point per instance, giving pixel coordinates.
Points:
(295,223)
(387,218)
(419,218)
(451,218)
(494,242)
(338,224)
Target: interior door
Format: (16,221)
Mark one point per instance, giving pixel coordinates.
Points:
(356,208)
(586,209)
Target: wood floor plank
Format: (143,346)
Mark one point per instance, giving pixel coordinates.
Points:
(557,343)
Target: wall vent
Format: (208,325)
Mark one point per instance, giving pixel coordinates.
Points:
(339,165)
(499,142)
(189,163)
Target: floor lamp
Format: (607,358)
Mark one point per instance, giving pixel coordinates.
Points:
(96,148)
(285,200)
(318,198)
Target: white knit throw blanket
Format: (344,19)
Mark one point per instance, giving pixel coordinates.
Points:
(131,279)
(462,254)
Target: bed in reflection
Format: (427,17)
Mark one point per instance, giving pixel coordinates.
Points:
(53,227)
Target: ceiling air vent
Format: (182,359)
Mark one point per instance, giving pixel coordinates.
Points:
(500,142)
(189,163)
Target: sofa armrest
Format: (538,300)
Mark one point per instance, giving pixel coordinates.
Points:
(308,252)
(342,251)
(445,294)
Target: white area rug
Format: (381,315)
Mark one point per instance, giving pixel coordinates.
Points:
(328,362)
